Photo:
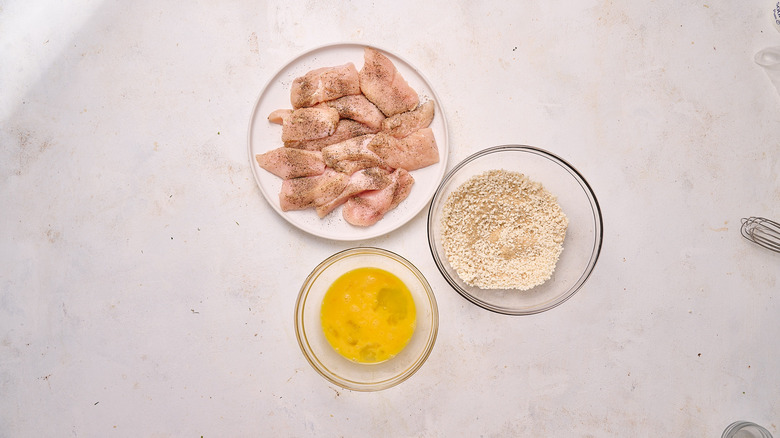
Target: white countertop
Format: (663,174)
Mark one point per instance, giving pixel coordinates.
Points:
(147,288)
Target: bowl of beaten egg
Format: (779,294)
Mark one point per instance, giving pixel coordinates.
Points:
(515,229)
(366,319)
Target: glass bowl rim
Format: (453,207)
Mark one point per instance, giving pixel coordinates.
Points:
(587,189)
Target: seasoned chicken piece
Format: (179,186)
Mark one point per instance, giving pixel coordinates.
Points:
(403,124)
(278,116)
(359,109)
(311,191)
(289,163)
(351,155)
(309,123)
(405,183)
(415,151)
(383,85)
(369,207)
(323,84)
(345,130)
(373,178)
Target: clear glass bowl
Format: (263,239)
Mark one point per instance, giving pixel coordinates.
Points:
(364,376)
(745,429)
(581,247)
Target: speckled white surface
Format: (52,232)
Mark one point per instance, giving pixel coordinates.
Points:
(147,288)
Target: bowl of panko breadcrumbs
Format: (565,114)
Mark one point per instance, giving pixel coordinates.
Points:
(515,229)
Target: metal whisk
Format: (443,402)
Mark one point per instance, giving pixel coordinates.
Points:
(762,231)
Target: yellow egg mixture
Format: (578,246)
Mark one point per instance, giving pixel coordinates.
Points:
(368,315)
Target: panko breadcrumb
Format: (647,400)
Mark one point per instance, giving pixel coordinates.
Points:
(503,231)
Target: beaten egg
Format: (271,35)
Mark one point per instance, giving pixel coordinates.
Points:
(368,315)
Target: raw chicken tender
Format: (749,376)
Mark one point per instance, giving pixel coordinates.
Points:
(383,85)
(351,155)
(369,207)
(323,84)
(403,124)
(373,178)
(278,116)
(359,109)
(309,123)
(289,163)
(345,130)
(415,151)
(311,191)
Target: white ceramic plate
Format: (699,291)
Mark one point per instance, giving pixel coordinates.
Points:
(264,136)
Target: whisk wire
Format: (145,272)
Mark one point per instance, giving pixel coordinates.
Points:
(762,231)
